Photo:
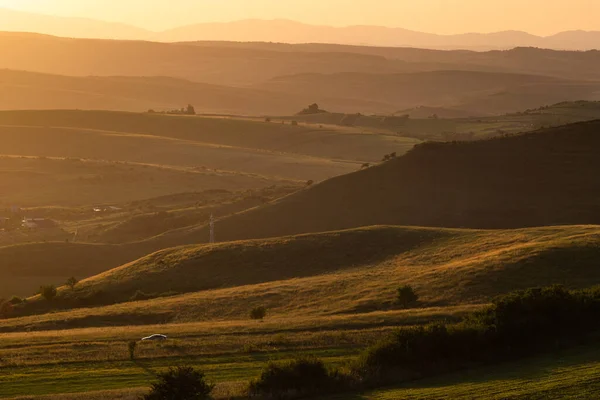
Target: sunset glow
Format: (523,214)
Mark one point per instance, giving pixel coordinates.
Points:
(436,16)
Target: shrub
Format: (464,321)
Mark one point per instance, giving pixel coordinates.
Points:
(131,346)
(406,296)
(515,325)
(258,313)
(6,309)
(294,123)
(300,377)
(72,282)
(48,292)
(15,300)
(181,383)
(267,119)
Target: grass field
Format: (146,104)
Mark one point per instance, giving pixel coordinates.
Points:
(92,359)
(224,144)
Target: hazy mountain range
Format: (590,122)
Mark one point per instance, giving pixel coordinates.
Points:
(286,31)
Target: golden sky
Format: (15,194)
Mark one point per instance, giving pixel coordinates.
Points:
(437,16)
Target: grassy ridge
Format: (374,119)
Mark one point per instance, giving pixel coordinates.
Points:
(339,273)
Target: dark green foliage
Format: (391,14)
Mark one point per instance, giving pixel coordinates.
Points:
(181,383)
(48,292)
(258,313)
(15,300)
(297,378)
(406,296)
(131,346)
(72,282)
(515,325)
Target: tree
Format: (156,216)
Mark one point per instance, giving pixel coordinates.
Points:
(407,296)
(71,282)
(181,383)
(190,110)
(48,292)
(6,309)
(258,313)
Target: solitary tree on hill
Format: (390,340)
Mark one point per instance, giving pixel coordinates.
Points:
(48,292)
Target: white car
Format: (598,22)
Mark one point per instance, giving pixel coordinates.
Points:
(155,337)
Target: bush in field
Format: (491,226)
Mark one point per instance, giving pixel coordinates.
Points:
(515,325)
(301,377)
(48,292)
(181,383)
(131,346)
(6,309)
(72,282)
(258,313)
(15,300)
(406,296)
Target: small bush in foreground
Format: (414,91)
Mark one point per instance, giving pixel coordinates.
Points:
(406,296)
(181,383)
(297,378)
(258,313)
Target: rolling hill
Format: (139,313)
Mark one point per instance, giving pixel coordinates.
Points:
(474,93)
(540,178)
(241,64)
(545,177)
(327,274)
(478,92)
(204,144)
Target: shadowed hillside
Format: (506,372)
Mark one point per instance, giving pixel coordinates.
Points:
(545,177)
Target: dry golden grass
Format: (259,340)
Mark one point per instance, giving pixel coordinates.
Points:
(335,274)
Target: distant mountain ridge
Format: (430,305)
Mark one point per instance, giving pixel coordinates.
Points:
(286,31)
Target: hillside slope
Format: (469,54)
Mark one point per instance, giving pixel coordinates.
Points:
(545,177)
(224,144)
(226,63)
(335,273)
(478,92)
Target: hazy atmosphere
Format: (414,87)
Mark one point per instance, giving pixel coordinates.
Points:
(328,200)
(540,17)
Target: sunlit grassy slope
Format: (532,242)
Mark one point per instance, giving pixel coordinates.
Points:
(338,273)
(225,144)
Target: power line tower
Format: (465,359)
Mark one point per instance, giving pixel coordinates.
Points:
(212,228)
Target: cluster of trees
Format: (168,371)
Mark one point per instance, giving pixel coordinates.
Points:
(312,109)
(189,110)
